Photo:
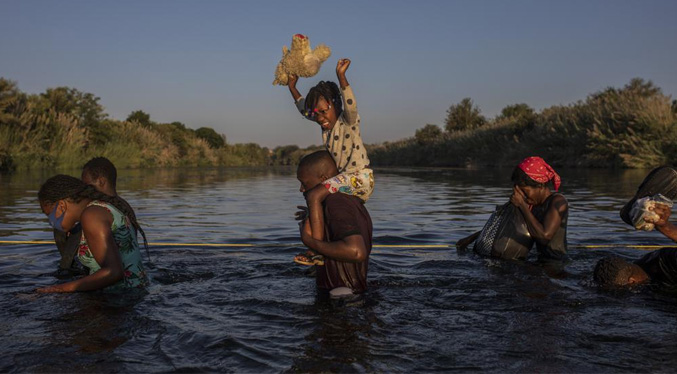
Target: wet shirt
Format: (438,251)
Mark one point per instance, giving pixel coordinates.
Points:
(345,216)
(556,248)
(344,141)
(124,236)
(661,266)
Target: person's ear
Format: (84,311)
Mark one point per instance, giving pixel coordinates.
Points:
(101,182)
(61,206)
(637,277)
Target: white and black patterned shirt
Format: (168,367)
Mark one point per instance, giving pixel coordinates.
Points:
(343,141)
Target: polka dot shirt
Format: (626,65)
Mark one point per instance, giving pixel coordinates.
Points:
(344,141)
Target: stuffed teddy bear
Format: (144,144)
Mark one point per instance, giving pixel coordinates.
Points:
(300,60)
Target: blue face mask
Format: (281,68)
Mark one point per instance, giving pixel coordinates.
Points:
(56,223)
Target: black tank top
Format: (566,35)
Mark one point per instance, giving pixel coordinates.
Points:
(557,247)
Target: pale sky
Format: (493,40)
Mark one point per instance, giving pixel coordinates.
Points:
(211,63)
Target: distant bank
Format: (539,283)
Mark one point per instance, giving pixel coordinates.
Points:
(631,127)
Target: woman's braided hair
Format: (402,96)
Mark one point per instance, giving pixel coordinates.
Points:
(61,187)
(329,91)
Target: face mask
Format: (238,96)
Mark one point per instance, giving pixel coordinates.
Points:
(56,223)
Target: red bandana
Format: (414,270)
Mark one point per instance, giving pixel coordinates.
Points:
(537,169)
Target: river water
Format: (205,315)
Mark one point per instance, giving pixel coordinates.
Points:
(251,309)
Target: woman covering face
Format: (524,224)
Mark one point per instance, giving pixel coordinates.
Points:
(544,211)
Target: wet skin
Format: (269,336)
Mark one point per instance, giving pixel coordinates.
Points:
(663,224)
(96,224)
(349,249)
(525,196)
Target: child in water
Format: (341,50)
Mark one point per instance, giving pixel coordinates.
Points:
(336,113)
(108,247)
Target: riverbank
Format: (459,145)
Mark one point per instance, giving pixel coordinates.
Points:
(62,128)
(631,127)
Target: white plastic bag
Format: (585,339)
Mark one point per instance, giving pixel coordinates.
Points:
(642,211)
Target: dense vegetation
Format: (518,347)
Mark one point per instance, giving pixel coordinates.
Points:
(631,127)
(63,128)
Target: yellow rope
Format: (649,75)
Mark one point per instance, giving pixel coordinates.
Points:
(635,246)
(236,245)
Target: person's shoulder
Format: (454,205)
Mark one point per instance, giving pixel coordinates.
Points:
(95,215)
(96,208)
(344,197)
(664,253)
(343,201)
(558,196)
(341,198)
(559,200)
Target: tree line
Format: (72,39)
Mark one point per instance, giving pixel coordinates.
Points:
(63,127)
(630,127)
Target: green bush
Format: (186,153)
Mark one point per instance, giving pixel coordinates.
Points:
(211,137)
(464,116)
(63,128)
(631,127)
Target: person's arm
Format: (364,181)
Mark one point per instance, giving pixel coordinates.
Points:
(349,103)
(541,232)
(314,199)
(348,249)
(96,227)
(465,242)
(304,215)
(299,101)
(293,78)
(663,224)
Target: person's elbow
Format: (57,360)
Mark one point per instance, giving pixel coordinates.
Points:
(360,255)
(544,239)
(114,274)
(359,249)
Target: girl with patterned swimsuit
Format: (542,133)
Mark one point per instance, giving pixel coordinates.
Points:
(109,246)
(336,113)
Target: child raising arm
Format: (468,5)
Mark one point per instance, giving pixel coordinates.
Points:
(336,113)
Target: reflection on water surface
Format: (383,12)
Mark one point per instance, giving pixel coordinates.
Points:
(251,309)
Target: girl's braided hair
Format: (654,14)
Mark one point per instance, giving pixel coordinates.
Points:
(329,91)
(61,187)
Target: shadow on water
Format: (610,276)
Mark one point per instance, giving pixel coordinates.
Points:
(252,310)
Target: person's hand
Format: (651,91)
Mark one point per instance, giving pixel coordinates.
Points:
(291,80)
(663,212)
(342,66)
(464,243)
(517,198)
(302,214)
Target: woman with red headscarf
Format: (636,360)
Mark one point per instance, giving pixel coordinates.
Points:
(545,212)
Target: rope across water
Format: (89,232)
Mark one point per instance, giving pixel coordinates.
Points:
(410,245)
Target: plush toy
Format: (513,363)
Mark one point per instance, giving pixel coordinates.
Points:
(300,60)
